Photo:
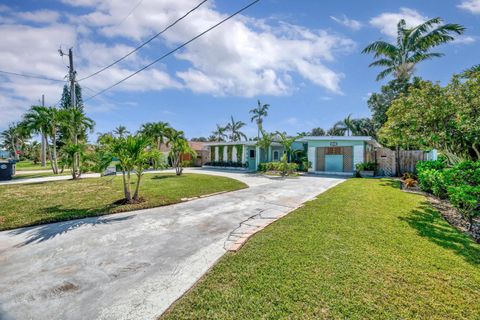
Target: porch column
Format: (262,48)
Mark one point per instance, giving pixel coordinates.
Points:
(269,154)
(257,157)
(244,151)
(225,153)
(312,157)
(216,153)
(234,154)
(358,153)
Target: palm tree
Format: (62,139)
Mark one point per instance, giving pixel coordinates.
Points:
(234,128)
(258,113)
(13,138)
(338,129)
(74,125)
(38,123)
(157,131)
(317,132)
(219,133)
(178,147)
(265,142)
(413,46)
(286,142)
(121,131)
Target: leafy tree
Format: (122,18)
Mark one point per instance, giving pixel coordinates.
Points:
(199,139)
(258,114)
(66,100)
(317,132)
(412,47)
(121,131)
(338,129)
(157,131)
(234,128)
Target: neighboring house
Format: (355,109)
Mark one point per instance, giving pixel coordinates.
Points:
(339,154)
(203,156)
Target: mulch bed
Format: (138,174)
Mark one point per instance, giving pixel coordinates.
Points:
(449,213)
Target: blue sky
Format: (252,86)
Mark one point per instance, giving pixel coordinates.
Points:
(301,57)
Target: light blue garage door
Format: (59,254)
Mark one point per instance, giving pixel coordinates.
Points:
(334,163)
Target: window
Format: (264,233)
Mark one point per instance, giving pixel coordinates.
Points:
(252,153)
(275,155)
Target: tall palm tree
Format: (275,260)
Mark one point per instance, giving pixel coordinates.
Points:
(121,131)
(37,123)
(13,138)
(413,46)
(157,131)
(219,133)
(265,142)
(178,147)
(258,113)
(286,141)
(338,129)
(74,125)
(349,125)
(234,128)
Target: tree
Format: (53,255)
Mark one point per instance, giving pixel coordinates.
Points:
(412,47)
(133,154)
(258,114)
(121,131)
(199,139)
(234,128)
(74,125)
(219,134)
(265,142)
(338,129)
(157,131)
(286,142)
(317,132)
(14,138)
(178,147)
(432,116)
(66,100)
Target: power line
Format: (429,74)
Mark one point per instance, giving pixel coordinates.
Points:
(131,11)
(145,43)
(31,76)
(174,50)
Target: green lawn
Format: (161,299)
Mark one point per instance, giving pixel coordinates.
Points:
(28,165)
(20,175)
(30,204)
(362,250)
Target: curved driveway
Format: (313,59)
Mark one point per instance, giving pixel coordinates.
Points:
(132,265)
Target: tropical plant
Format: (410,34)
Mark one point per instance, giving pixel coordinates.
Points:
(121,131)
(265,142)
(133,154)
(317,132)
(219,134)
(234,128)
(338,129)
(287,142)
(74,125)
(178,148)
(412,47)
(258,114)
(157,131)
(14,137)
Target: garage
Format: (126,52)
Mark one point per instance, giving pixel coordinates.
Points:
(335,159)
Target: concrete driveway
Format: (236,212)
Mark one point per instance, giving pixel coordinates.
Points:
(132,265)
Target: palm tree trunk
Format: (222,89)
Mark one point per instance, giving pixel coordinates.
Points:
(54,155)
(43,156)
(477,152)
(135,195)
(128,196)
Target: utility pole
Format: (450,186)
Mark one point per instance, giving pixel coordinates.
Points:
(43,156)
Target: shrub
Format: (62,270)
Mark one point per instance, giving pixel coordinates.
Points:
(283,167)
(366,166)
(226,164)
(409,175)
(426,165)
(466,199)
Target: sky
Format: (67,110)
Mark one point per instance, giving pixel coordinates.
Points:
(302,57)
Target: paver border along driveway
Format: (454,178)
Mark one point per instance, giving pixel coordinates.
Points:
(135,264)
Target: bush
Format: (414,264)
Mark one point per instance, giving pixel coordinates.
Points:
(466,199)
(410,183)
(366,166)
(425,165)
(226,164)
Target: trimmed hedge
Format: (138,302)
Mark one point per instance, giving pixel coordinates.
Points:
(225,164)
(283,167)
(459,184)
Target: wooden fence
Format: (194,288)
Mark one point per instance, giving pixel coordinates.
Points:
(387,161)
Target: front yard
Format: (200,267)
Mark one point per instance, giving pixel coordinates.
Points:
(30,204)
(362,250)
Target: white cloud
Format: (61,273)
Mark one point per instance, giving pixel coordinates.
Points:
(464,40)
(243,57)
(349,23)
(40,16)
(471,5)
(387,21)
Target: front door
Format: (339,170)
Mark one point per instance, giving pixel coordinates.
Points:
(251,158)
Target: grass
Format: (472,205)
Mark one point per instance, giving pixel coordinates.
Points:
(362,250)
(27,165)
(31,204)
(20,175)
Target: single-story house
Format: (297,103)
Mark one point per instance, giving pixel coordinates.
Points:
(339,154)
(327,154)
(202,157)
